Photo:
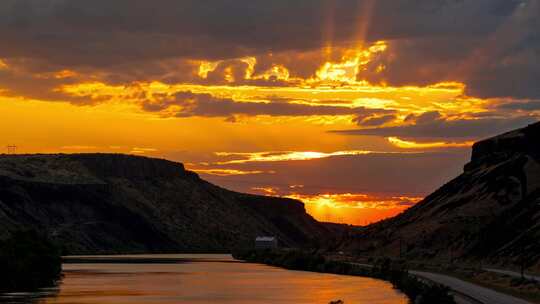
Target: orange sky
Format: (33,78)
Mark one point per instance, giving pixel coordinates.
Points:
(359,125)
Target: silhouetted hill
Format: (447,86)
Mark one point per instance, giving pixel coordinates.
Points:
(107,203)
(489,213)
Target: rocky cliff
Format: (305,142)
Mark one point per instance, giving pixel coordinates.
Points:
(490,213)
(111,203)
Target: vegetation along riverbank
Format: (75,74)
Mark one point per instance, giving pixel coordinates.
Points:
(419,291)
(28,261)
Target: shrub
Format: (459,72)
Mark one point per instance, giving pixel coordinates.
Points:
(28,261)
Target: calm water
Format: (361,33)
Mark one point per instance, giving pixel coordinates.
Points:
(206,279)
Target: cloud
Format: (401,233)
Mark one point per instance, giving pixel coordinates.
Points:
(491,45)
(533,105)
(139,150)
(374,120)
(36,86)
(498,55)
(78,147)
(114,32)
(388,173)
(432,125)
(426,117)
(227,172)
(427,145)
(124,29)
(189,104)
(281,156)
(508,62)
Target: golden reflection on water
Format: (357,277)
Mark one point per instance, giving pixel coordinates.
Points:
(219,281)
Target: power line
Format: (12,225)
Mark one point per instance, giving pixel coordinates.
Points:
(11,149)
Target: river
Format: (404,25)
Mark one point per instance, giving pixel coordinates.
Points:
(203,279)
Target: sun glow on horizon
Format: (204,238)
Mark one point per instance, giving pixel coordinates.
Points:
(354,208)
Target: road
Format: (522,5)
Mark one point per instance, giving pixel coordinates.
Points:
(465,292)
(478,293)
(513,273)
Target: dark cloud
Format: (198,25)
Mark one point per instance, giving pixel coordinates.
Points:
(233,27)
(432,126)
(508,63)
(380,173)
(374,120)
(533,105)
(189,104)
(491,45)
(497,57)
(41,87)
(102,33)
(425,118)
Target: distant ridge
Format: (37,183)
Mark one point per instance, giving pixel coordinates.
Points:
(489,213)
(115,203)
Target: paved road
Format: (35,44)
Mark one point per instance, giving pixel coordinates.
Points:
(513,273)
(465,292)
(478,293)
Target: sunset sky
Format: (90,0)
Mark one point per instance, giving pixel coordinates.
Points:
(359,108)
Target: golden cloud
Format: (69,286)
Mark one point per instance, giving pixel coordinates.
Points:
(276,156)
(229,172)
(405,144)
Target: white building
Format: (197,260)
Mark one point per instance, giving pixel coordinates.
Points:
(266,242)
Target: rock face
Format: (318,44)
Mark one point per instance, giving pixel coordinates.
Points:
(490,213)
(112,203)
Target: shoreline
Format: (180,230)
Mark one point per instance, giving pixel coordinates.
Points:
(141,261)
(347,268)
(419,291)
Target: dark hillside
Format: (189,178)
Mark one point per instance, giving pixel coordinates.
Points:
(491,212)
(107,203)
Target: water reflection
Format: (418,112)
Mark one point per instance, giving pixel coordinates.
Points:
(29,297)
(206,279)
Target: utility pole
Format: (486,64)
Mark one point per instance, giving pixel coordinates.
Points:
(11,149)
(522,261)
(522,266)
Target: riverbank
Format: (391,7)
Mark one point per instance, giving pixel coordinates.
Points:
(503,281)
(418,291)
(28,261)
